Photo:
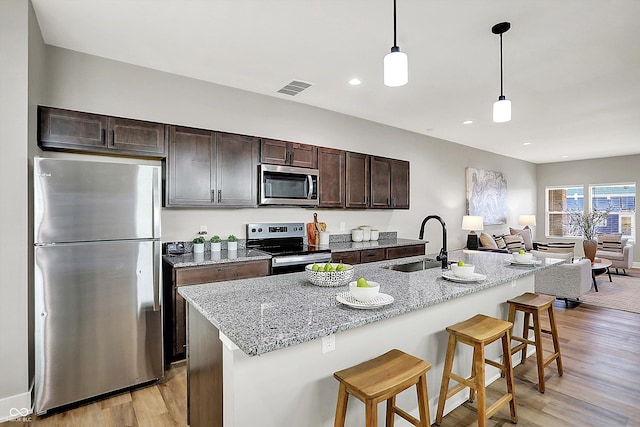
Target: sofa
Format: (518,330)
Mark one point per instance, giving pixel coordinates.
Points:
(569,280)
(615,248)
(516,240)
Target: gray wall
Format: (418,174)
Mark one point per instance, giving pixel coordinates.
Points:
(34,73)
(610,170)
(20,83)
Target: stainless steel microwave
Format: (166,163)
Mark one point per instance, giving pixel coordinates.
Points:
(286,185)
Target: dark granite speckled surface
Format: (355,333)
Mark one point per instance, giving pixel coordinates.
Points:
(265,314)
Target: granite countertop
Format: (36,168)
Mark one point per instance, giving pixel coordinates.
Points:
(264,314)
(190,259)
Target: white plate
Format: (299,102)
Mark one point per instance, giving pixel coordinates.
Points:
(379,301)
(475,278)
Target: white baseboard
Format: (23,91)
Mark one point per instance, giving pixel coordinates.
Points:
(17,407)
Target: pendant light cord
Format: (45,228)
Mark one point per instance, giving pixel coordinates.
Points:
(394,24)
(501,84)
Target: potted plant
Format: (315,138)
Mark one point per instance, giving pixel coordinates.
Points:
(586,224)
(215,243)
(198,245)
(232,243)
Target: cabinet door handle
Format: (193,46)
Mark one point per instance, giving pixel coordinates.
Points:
(113,137)
(219,196)
(103,136)
(213,196)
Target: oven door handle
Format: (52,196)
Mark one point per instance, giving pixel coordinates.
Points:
(283,261)
(310,181)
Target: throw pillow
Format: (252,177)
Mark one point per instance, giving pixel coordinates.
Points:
(526,236)
(486,241)
(556,247)
(610,242)
(514,242)
(500,243)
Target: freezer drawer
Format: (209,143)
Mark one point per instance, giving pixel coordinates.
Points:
(78,201)
(98,322)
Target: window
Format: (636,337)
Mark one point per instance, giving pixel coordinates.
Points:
(621,200)
(559,202)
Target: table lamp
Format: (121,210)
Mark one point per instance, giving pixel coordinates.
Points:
(527,220)
(472,223)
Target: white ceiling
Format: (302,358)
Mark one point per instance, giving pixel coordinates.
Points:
(571,67)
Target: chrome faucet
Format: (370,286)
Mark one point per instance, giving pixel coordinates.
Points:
(443,252)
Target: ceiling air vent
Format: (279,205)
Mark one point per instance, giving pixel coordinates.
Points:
(295,87)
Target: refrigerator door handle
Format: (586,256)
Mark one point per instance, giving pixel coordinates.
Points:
(157,203)
(157,278)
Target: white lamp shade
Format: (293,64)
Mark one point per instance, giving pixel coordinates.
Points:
(527,220)
(502,111)
(396,69)
(472,222)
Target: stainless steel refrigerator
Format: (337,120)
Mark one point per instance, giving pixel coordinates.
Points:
(98,323)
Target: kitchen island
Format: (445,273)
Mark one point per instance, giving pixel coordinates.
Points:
(270,345)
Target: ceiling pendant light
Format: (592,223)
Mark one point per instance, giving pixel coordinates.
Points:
(502,107)
(396,65)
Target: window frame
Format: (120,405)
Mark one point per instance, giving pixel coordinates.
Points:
(548,212)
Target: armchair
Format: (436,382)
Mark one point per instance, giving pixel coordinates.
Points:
(566,281)
(616,249)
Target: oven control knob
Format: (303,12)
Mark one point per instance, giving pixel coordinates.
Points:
(253,230)
(259,230)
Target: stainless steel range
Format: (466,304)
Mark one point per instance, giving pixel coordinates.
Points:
(285,242)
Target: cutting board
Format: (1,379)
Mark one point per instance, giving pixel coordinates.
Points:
(313,230)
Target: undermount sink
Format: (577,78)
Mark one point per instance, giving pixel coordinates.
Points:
(415,266)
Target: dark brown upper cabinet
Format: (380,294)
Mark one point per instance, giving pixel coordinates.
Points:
(389,183)
(67,130)
(211,169)
(357,180)
(288,153)
(331,186)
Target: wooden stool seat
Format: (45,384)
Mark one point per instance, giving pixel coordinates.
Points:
(381,379)
(477,332)
(532,305)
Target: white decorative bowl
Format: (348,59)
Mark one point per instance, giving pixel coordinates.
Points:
(364,294)
(525,257)
(465,272)
(329,278)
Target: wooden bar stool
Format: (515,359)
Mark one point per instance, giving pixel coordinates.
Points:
(381,379)
(477,332)
(533,304)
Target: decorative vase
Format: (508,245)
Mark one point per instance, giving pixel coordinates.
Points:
(232,246)
(215,246)
(590,247)
(198,248)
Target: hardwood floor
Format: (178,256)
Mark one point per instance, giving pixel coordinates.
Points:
(600,386)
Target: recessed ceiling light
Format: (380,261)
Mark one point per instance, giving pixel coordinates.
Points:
(526,143)
(467,122)
(565,156)
(354,82)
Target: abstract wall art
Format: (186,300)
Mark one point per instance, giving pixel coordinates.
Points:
(487,195)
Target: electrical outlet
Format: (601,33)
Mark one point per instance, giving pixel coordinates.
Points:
(343,226)
(328,343)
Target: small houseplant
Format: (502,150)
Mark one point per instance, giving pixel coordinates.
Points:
(586,224)
(232,243)
(215,243)
(198,245)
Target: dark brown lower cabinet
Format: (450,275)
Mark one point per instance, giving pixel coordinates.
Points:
(405,251)
(346,257)
(372,255)
(175,305)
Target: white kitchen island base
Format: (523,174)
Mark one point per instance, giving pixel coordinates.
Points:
(294,386)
